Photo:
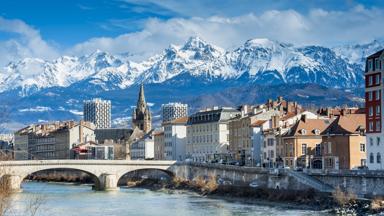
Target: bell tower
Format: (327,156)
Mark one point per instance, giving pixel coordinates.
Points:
(141,116)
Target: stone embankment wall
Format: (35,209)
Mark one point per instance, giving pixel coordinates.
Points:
(360,182)
(239,176)
(363,183)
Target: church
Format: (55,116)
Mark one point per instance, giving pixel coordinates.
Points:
(141,116)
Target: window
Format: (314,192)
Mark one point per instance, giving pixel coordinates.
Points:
(317,131)
(318,150)
(377,96)
(378,158)
(370,65)
(329,147)
(304,149)
(377,64)
(362,147)
(303,131)
(371,158)
(370,96)
(378,140)
(378,110)
(378,125)
(370,111)
(377,79)
(370,80)
(370,125)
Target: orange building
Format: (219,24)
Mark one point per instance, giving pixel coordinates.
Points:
(343,144)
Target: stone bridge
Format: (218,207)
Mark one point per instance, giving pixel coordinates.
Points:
(106,173)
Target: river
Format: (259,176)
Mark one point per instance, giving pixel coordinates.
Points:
(75,200)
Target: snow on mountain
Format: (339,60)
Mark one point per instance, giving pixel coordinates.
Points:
(357,53)
(260,61)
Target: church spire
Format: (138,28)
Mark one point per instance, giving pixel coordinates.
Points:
(141,100)
(141,116)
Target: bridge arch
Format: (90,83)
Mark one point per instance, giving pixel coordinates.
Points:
(94,177)
(149,172)
(104,172)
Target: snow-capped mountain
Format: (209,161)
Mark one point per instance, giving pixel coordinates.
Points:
(358,52)
(197,73)
(259,61)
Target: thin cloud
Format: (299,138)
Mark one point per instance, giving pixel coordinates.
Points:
(27,43)
(318,27)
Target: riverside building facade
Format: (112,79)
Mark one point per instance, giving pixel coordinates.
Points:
(175,135)
(208,134)
(374,108)
(51,141)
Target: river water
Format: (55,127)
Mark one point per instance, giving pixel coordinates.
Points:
(67,200)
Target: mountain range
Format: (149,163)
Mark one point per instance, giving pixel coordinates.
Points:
(197,73)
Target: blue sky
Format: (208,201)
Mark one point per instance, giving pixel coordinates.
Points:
(48,29)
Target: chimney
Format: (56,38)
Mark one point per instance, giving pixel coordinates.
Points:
(304,117)
(280,99)
(275,121)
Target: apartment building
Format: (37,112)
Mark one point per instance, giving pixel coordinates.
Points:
(244,133)
(172,111)
(302,142)
(98,112)
(159,145)
(52,140)
(175,139)
(208,134)
(143,149)
(374,108)
(272,149)
(344,144)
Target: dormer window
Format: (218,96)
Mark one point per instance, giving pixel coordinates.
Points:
(303,131)
(317,131)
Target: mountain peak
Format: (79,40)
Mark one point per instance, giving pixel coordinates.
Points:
(195,42)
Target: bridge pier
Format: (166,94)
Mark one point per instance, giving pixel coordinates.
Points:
(107,182)
(11,183)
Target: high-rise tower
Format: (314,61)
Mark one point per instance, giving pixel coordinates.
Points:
(141,116)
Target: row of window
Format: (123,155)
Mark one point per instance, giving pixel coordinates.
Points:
(204,128)
(371,77)
(377,110)
(378,140)
(378,65)
(377,95)
(371,128)
(372,158)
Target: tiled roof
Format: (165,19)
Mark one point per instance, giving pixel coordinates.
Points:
(182,120)
(377,54)
(308,127)
(258,123)
(347,124)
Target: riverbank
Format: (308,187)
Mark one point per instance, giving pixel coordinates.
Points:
(338,203)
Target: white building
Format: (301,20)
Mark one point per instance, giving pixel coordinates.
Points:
(143,149)
(208,134)
(172,111)
(374,73)
(175,135)
(258,140)
(98,112)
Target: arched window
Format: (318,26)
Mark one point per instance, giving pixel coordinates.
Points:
(378,158)
(371,158)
